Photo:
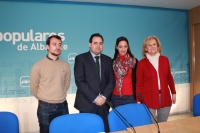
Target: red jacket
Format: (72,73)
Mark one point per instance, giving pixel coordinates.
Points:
(147,83)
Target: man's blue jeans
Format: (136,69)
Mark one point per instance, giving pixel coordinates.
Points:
(48,111)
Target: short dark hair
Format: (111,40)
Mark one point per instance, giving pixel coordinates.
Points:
(95,35)
(122,38)
(53,36)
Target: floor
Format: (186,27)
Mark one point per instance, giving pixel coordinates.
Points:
(180,116)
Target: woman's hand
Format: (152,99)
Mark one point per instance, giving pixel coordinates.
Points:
(174,98)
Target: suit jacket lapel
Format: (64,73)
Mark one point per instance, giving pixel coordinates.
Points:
(102,65)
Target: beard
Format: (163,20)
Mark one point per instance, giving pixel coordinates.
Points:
(55,54)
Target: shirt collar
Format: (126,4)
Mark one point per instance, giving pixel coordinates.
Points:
(50,58)
(93,55)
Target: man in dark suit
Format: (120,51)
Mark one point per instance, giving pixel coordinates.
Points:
(94,80)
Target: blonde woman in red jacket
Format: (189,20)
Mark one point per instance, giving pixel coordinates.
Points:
(154,80)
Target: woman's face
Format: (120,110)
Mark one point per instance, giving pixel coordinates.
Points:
(122,48)
(152,47)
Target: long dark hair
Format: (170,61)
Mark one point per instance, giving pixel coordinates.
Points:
(117,42)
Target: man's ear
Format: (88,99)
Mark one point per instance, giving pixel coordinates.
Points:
(47,47)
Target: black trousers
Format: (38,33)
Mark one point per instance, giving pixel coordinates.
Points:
(103,114)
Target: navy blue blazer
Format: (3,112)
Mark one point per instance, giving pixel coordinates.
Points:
(88,82)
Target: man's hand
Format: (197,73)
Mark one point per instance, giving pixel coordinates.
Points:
(100,100)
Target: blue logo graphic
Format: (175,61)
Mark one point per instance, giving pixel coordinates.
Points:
(180,76)
(25,81)
(71,57)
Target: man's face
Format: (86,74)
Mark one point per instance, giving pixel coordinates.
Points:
(55,47)
(96,46)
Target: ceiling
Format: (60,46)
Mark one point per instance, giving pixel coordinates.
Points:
(174,4)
